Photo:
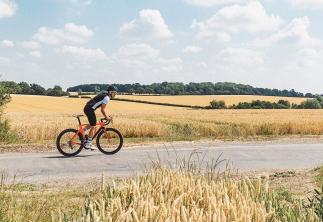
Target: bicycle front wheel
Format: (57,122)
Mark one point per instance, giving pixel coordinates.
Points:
(69,142)
(109,141)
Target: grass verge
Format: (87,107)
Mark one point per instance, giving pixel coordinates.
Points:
(319,176)
(161,194)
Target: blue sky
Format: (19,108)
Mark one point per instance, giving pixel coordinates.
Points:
(267,43)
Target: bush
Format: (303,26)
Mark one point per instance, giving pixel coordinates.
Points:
(243,105)
(283,104)
(73,96)
(257,104)
(5,134)
(310,104)
(214,104)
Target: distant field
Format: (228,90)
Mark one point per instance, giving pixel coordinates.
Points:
(205,100)
(38,118)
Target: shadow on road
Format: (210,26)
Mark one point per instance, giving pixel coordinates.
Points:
(65,157)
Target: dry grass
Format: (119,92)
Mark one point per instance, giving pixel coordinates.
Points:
(205,100)
(159,195)
(25,202)
(42,118)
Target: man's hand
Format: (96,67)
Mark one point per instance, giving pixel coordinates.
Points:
(109,118)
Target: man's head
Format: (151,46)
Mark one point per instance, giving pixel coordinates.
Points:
(112,91)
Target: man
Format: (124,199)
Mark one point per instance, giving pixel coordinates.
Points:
(99,101)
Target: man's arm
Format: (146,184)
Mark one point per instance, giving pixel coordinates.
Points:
(103,111)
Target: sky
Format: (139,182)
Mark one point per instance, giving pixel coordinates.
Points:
(264,43)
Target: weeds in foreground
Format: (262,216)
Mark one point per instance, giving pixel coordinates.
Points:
(319,176)
(166,195)
(183,194)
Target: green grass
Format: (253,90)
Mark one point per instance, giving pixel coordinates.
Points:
(27,202)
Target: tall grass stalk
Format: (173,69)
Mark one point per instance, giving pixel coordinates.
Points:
(166,195)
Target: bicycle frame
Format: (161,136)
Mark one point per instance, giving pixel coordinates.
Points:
(81,131)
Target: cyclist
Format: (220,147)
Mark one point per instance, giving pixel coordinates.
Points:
(99,101)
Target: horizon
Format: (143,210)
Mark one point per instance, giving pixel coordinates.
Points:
(68,87)
(263,43)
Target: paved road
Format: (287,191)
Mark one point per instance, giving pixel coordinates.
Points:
(46,167)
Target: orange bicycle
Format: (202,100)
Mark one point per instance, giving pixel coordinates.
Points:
(70,142)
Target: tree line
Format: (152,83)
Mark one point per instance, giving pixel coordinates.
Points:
(177,88)
(31,89)
(314,103)
(165,88)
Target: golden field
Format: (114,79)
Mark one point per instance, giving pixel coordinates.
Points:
(205,100)
(159,196)
(39,118)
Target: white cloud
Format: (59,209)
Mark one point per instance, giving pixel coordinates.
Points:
(71,33)
(240,57)
(4,60)
(202,65)
(35,54)
(208,3)
(192,49)
(144,57)
(7,8)
(31,45)
(7,43)
(81,2)
(150,24)
(84,52)
(310,4)
(296,32)
(138,51)
(237,18)
(308,57)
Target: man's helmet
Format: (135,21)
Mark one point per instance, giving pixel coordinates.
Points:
(111,88)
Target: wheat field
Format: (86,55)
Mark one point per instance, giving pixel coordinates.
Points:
(206,99)
(39,118)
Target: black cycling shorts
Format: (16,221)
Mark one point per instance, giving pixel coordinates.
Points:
(89,112)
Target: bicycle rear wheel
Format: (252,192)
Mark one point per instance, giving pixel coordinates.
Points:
(109,141)
(69,142)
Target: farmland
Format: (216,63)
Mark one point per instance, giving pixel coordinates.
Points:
(205,100)
(40,119)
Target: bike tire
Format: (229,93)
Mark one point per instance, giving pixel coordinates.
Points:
(59,147)
(100,145)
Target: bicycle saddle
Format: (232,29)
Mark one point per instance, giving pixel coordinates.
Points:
(77,116)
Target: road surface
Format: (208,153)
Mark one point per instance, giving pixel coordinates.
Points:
(46,167)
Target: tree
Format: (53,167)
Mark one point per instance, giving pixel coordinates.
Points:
(10,87)
(25,88)
(284,103)
(56,91)
(4,97)
(310,104)
(5,134)
(214,104)
(37,89)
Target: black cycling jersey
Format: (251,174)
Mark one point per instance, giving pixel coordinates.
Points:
(98,100)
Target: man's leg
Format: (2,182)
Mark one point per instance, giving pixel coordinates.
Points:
(91,133)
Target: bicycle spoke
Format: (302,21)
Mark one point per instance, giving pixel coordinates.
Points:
(69,142)
(109,141)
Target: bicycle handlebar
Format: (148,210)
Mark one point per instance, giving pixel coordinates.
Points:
(106,121)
